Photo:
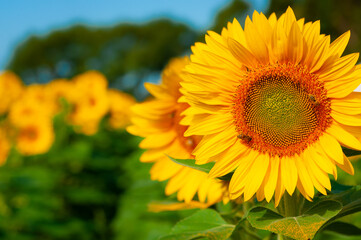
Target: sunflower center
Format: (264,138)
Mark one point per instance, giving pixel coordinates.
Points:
(30,133)
(281,109)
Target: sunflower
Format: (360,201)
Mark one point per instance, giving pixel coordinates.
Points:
(35,137)
(11,88)
(158,120)
(89,100)
(119,108)
(274,103)
(59,89)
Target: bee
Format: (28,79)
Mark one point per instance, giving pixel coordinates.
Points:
(244,137)
(313,100)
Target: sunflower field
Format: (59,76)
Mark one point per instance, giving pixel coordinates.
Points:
(248,131)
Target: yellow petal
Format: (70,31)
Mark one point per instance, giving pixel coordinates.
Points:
(344,137)
(322,161)
(164,169)
(213,144)
(350,104)
(338,46)
(289,20)
(320,54)
(255,42)
(280,189)
(263,26)
(238,33)
(356,131)
(242,54)
(157,140)
(272,19)
(256,175)
(176,182)
(304,177)
(289,174)
(302,191)
(270,185)
(190,184)
(241,171)
(228,160)
(321,175)
(346,166)
(295,44)
(204,125)
(158,91)
(331,147)
(340,67)
(351,120)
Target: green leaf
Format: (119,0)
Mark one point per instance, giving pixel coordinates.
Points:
(205,223)
(350,199)
(192,164)
(338,188)
(343,228)
(299,227)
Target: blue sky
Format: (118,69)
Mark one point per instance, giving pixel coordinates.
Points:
(21,18)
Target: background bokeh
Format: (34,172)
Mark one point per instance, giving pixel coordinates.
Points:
(94,187)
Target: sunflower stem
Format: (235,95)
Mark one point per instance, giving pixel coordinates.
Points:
(290,204)
(290,208)
(246,206)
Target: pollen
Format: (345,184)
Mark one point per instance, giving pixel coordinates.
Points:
(280,109)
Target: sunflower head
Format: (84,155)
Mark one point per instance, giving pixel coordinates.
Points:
(35,137)
(274,102)
(27,110)
(89,101)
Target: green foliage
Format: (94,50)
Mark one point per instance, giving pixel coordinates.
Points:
(71,192)
(350,199)
(343,228)
(304,226)
(205,223)
(133,220)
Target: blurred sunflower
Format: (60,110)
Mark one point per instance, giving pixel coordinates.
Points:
(35,101)
(58,89)
(274,102)
(35,137)
(158,120)
(33,104)
(11,88)
(119,108)
(90,101)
